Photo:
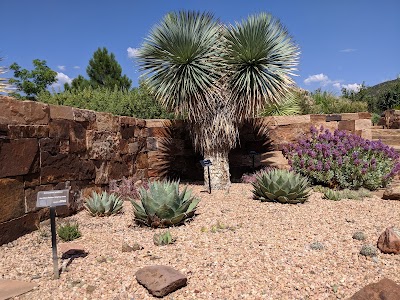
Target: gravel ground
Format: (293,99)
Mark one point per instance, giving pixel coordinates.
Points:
(264,254)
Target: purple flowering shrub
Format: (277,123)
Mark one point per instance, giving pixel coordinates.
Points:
(126,188)
(343,160)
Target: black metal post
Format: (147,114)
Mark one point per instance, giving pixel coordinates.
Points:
(54,241)
(209,179)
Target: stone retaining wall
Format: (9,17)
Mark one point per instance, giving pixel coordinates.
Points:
(44,147)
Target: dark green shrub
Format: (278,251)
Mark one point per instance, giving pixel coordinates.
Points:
(343,160)
(68,231)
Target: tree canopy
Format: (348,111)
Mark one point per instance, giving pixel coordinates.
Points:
(103,71)
(32,82)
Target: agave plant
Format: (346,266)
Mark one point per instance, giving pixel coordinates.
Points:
(162,205)
(281,186)
(103,204)
(332,194)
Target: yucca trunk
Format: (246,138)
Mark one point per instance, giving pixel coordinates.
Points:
(219,170)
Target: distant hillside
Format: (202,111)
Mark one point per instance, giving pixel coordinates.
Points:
(376,90)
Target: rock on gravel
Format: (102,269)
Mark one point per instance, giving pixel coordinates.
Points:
(392,193)
(389,241)
(385,289)
(161,280)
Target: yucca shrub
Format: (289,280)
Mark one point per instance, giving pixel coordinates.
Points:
(343,160)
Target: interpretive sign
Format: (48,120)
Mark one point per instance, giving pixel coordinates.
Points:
(52,198)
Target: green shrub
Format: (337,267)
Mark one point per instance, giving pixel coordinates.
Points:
(327,103)
(368,250)
(317,246)
(359,236)
(68,231)
(103,204)
(343,160)
(137,103)
(164,238)
(162,205)
(281,186)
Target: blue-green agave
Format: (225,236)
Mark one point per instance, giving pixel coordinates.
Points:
(281,186)
(162,205)
(103,204)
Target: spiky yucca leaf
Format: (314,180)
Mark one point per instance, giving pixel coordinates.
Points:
(261,57)
(162,205)
(281,186)
(103,204)
(288,107)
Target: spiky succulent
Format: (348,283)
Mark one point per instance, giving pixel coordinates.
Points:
(332,195)
(103,204)
(281,186)
(162,205)
(162,239)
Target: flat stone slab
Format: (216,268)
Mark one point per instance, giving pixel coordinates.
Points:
(160,280)
(12,288)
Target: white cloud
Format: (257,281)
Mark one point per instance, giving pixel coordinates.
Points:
(348,50)
(132,52)
(322,78)
(352,86)
(62,68)
(77,67)
(337,85)
(61,79)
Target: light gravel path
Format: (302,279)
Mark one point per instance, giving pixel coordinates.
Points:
(264,255)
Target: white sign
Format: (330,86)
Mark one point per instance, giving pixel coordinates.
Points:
(52,198)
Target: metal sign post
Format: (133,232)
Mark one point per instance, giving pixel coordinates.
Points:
(52,199)
(253,153)
(207,163)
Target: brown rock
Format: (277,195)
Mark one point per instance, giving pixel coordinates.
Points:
(15,228)
(69,249)
(107,122)
(160,280)
(85,117)
(348,125)
(62,167)
(389,241)
(102,145)
(385,289)
(392,193)
(18,157)
(23,112)
(28,131)
(13,288)
(61,112)
(11,199)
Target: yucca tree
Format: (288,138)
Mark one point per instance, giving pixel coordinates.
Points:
(218,76)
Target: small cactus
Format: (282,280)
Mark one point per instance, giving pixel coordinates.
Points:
(359,236)
(165,238)
(317,246)
(368,250)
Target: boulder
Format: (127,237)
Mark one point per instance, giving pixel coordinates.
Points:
(392,193)
(71,249)
(389,241)
(19,157)
(15,111)
(385,289)
(11,199)
(160,280)
(13,288)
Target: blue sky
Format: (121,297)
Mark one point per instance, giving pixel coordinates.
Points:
(342,42)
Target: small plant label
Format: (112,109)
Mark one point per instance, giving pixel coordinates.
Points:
(52,198)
